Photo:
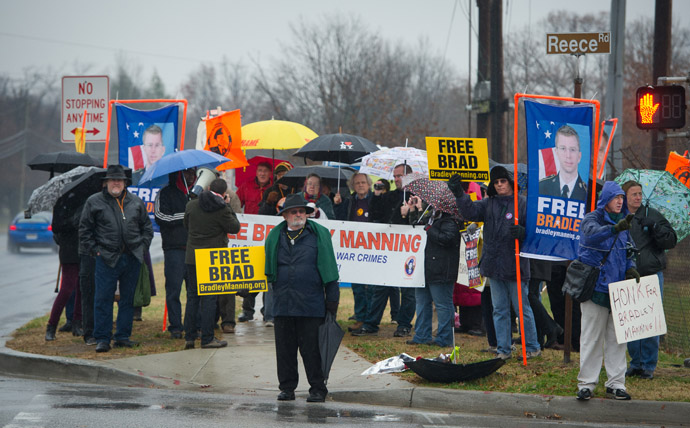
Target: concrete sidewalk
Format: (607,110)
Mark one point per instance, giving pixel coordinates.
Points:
(247,366)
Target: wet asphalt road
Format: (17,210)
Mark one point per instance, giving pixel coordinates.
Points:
(31,403)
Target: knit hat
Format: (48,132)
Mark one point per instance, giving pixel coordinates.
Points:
(496,173)
(283,166)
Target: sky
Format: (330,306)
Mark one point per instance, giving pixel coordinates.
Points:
(174,37)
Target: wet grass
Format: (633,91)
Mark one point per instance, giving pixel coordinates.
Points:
(547,375)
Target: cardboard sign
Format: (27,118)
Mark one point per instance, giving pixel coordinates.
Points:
(468,157)
(229,270)
(637,309)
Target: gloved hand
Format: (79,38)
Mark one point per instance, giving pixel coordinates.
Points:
(517,232)
(472,228)
(623,224)
(648,223)
(632,273)
(455,185)
(332,307)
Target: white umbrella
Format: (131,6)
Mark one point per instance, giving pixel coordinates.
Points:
(383,162)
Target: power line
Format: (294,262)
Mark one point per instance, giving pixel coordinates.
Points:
(103,48)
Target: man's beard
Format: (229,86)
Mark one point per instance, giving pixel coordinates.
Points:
(297,224)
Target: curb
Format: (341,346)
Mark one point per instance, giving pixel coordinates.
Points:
(549,407)
(59,369)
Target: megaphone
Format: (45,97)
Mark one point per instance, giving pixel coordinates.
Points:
(204,177)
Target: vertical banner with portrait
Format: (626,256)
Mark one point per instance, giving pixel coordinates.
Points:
(145,136)
(559,150)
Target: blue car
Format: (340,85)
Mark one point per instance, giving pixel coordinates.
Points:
(34,232)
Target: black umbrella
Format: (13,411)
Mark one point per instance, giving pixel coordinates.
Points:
(344,148)
(332,176)
(330,336)
(442,372)
(60,161)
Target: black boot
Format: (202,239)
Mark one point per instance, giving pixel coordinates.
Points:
(66,327)
(77,330)
(50,332)
(137,313)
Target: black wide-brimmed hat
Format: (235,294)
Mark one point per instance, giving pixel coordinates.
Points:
(116,172)
(296,200)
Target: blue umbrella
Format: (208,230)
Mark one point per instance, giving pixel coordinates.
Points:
(179,161)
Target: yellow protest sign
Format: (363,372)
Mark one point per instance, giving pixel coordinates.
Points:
(229,270)
(468,157)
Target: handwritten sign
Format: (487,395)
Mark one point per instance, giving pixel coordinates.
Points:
(468,157)
(637,309)
(229,270)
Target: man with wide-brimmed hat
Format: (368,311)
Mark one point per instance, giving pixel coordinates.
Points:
(115,229)
(300,263)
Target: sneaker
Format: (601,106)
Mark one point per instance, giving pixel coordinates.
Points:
(189,344)
(618,394)
(530,355)
(268,324)
(504,357)
(245,318)
(215,343)
(584,394)
(401,332)
(228,328)
(633,371)
(491,350)
(355,326)
(364,332)
(90,341)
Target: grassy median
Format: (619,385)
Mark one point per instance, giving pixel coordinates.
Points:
(545,375)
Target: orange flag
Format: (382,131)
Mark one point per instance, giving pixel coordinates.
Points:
(224,136)
(679,167)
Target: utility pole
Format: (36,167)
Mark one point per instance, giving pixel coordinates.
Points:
(497,144)
(483,62)
(660,67)
(613,102)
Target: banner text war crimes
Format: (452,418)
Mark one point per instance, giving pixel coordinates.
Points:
(467,157)
(559,217)
(229,270)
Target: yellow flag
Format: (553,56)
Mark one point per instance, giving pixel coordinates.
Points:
(79,140)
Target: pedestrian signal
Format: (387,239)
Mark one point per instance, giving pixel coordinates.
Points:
(660,107)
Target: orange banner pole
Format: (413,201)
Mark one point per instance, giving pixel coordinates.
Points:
(518,276)
(165,316)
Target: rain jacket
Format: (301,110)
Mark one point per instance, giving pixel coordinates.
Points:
(208,220)
(346,209)
(103,229)
(442,251)
(169,211)
(597,236)
(652,243)
(498,253)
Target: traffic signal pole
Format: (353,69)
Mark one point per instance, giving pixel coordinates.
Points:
(660,65)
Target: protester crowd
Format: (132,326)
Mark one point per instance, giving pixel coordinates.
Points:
(104,244)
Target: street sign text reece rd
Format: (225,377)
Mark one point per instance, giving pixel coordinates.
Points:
(578,43)
(90,93)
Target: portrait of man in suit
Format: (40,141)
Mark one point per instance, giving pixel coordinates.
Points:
(567,183)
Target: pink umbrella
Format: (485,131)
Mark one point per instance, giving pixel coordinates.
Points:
(435,193)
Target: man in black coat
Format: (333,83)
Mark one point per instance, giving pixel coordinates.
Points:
(300,263)
(388,207)
(567,183)
(653,235)
(208,220)
(115,228)
(170,205)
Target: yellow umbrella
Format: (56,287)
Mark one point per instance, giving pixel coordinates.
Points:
(276,135)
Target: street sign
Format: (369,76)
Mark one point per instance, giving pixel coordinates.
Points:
(90,93)
(578,43)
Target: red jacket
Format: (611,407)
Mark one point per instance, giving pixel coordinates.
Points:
(250,194)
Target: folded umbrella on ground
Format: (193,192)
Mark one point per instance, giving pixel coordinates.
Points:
(445,372)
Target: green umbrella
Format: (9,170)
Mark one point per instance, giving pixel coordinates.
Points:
(665,193)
